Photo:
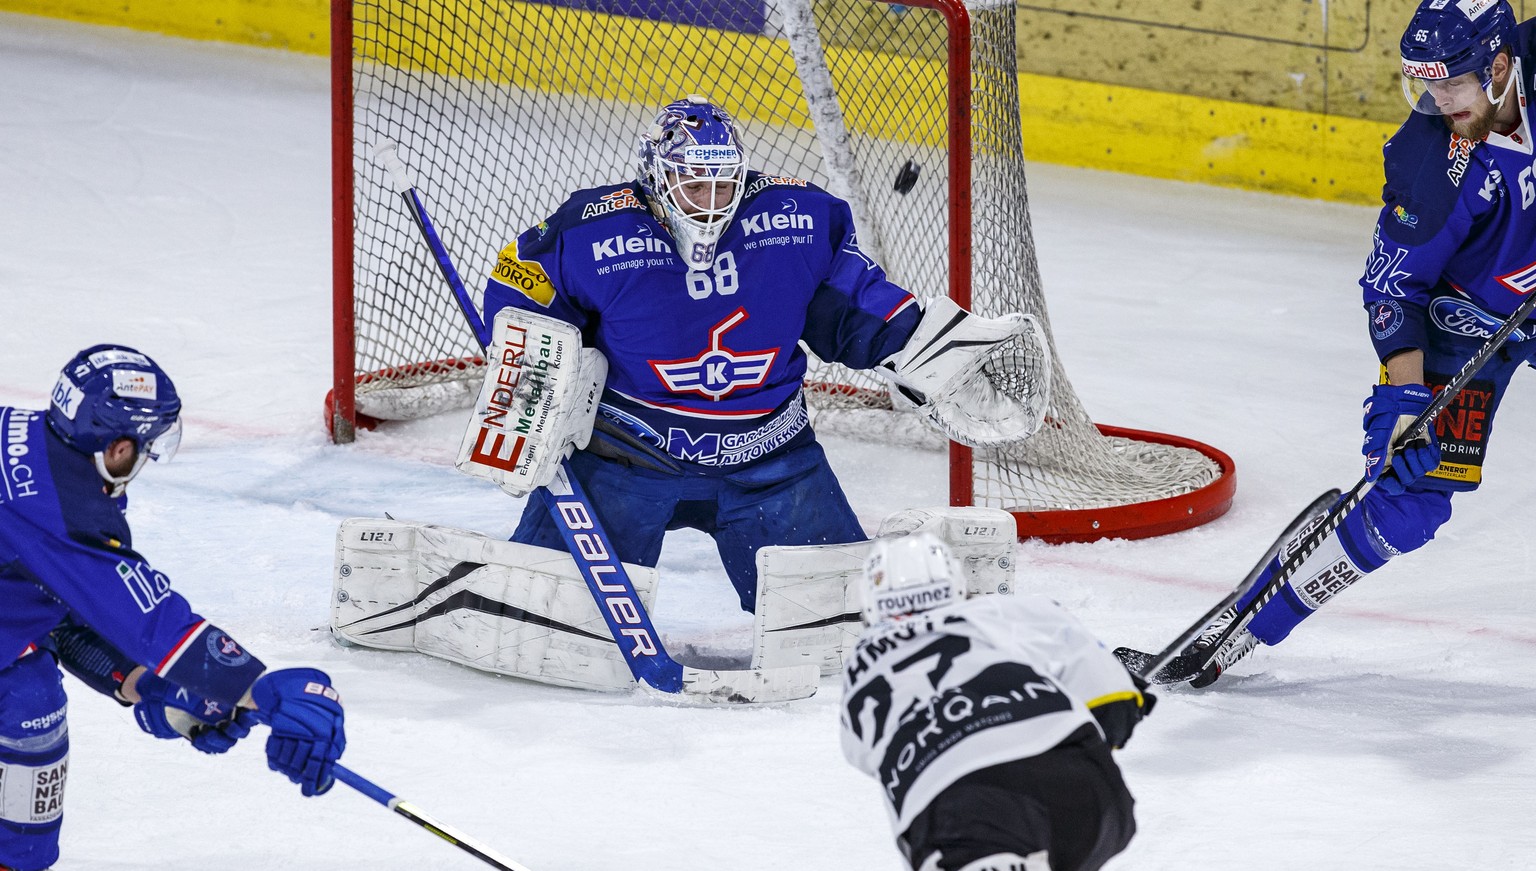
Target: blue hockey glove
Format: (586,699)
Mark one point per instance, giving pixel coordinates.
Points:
(1388,413)
(165,710)
(305,716)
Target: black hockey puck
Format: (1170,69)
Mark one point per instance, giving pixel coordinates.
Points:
(906,177)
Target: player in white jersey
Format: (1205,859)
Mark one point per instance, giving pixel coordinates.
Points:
(988,722)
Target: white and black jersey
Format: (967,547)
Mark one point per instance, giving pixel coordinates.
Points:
(932,698)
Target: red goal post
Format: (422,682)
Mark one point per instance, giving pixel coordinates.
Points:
(908,111)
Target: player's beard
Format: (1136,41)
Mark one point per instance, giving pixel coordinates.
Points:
(1477,127)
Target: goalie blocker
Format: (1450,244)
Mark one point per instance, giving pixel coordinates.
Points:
(525,611)
(536,405)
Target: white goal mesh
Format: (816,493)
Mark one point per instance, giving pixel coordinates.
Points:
(502,109)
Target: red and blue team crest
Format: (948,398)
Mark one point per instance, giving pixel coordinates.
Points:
(1386,318)
(226,650)
(717,371)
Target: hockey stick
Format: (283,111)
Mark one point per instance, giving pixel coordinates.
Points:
(421,818)
(1150,666)
(593,551)
(1191,666)
(387,154)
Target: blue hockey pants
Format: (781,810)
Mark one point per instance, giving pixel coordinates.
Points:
(788,499)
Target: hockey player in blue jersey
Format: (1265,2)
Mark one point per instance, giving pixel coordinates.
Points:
(1454,253)
(74,592)
(698,283)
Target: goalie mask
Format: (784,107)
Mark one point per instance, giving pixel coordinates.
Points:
(909,575)
(694,171)
(108,392)
(1448,51)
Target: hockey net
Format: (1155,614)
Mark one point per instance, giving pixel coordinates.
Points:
(910,112)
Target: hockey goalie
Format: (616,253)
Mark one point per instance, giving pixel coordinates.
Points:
(648,350)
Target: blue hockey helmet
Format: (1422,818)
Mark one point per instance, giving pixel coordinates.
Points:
(693,169)
(108,392)
(1449,46)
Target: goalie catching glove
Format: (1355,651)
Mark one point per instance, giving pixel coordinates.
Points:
(981,381)
(536,405)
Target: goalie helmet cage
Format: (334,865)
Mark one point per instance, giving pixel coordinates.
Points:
(910,112)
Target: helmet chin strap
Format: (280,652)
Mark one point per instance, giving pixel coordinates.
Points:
(1488,91)
(119,484)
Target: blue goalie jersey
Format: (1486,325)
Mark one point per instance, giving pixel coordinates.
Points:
(1455,243)
(708,365)
(66,553)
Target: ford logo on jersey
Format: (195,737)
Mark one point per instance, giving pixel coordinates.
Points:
(1463,318)
(717,371)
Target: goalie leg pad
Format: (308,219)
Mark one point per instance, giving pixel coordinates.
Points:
(803,612)
(806,611)
(494,605)
(984,540)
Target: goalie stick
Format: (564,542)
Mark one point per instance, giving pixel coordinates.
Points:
(591,547)
(1190,665)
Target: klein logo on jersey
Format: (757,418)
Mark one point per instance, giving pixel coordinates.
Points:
(609,203)
(788,218)
(1493,185)
(618,246)
(717,371)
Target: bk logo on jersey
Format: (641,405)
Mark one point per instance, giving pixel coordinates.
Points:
(718,370)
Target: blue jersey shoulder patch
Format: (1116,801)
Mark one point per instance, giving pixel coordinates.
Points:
(1425,165)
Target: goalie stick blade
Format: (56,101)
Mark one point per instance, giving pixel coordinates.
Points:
(757,686)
